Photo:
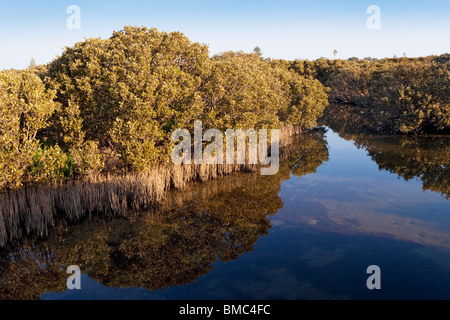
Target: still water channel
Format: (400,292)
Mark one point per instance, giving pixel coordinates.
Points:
(340,203)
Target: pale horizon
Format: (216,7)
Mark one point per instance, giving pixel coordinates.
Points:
(282,29)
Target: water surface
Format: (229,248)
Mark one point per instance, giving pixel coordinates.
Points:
(339,204)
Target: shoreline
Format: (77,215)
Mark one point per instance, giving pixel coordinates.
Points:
(32,210)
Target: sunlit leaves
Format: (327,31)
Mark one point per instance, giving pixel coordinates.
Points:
(25,107)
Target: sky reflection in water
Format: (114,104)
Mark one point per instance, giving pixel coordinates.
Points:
(298,235)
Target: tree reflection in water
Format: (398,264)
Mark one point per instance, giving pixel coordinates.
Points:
(426,158)
(175,244)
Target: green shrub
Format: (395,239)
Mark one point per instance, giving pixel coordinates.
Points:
(129,92)
(411,97)
(50,165)
(130,87)
(25,107)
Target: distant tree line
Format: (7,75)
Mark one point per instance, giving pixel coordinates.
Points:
(400,95)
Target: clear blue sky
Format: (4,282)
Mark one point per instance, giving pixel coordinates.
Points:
(283,29)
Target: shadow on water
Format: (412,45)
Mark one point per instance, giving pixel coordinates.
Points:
(172,245)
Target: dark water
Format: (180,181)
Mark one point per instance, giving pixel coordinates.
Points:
(339,204)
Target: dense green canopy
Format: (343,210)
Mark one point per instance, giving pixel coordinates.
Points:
(112,104)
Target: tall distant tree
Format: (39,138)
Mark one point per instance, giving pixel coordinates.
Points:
(32,63)
(335,52)
(258,51)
